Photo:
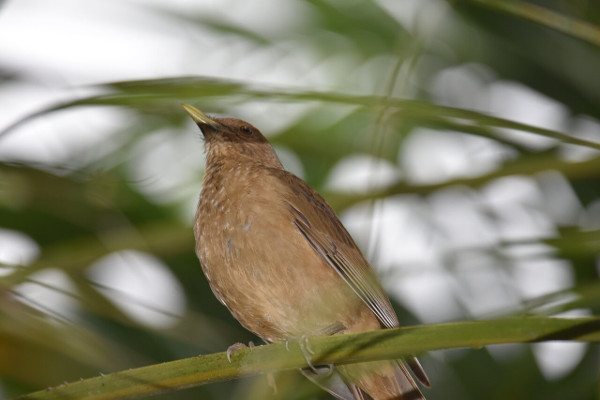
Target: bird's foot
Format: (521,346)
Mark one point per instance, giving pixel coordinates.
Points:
(238,346)
(307,352)
(305,346)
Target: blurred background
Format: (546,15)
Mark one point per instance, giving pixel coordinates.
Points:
(436,129)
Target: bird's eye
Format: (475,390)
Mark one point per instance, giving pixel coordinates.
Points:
(245,129)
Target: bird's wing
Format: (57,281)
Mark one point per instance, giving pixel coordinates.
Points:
(320,226)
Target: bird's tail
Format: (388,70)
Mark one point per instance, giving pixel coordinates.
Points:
(381,380)
(376,380)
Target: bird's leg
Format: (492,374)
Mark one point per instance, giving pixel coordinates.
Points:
(238,346)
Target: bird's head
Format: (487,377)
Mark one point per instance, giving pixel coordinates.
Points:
(233,139)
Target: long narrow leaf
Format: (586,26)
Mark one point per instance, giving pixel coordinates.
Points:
(162,92)
(570,26)
(340,349)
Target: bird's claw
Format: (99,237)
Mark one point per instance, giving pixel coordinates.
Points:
(237,346)
(307,352)
(306,346)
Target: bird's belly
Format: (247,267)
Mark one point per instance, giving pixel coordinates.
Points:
(276,285)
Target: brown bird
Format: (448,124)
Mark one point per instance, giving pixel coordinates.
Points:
(277,256)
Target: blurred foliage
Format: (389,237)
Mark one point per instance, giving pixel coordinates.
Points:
(375,95)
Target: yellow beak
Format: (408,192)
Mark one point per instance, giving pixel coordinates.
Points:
(198,116)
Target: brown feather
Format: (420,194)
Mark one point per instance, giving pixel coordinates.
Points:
(277,256)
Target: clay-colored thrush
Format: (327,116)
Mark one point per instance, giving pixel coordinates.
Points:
(277,256)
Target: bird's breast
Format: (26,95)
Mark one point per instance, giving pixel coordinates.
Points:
(258,263)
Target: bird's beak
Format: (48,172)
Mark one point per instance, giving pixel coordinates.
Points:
(199,117)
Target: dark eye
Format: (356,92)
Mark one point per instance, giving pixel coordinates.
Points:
(245,129)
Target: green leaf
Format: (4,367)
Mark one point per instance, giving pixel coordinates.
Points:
(338,349)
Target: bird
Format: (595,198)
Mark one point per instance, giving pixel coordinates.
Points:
(278,257)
